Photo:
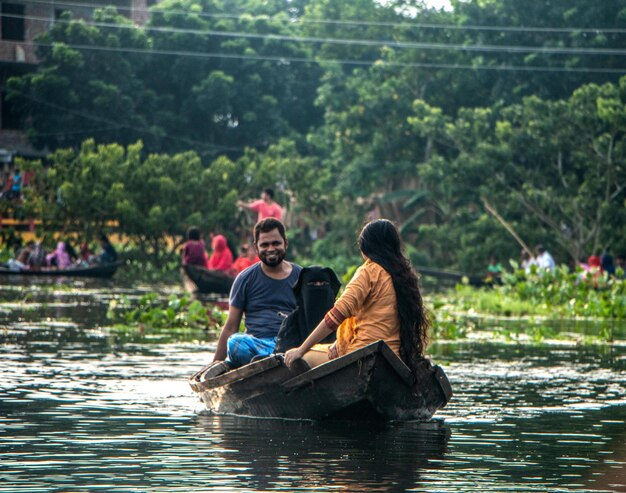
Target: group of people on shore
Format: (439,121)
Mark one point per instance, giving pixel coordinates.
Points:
(33,256)
(604,263)
(381,302)
(11,185)
(597,264)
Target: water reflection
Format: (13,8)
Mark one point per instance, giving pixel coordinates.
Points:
(288,455)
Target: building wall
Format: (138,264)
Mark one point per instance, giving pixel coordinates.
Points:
(20,56)
(22,51)
(139,12)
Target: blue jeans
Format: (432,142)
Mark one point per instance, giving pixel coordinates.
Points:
(241,348)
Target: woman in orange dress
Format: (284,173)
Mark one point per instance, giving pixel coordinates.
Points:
(381,302)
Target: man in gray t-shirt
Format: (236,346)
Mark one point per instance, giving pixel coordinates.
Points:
(264,294)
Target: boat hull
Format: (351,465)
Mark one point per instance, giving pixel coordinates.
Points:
(206,281)
(371,383)
(452,276)
(103,271)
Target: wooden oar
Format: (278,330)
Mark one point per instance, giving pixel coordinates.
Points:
(507,226)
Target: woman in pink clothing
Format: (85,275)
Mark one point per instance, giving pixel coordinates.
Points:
(59,257)
(265,207)
(193,249)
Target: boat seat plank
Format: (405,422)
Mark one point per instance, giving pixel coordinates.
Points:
(336,364)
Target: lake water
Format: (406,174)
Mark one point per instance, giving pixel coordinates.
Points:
(84,407)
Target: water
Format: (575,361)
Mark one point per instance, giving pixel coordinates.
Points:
(84,407)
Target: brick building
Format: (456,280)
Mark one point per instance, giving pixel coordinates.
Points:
(20,23)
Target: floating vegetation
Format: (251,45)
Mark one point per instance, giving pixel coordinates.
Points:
(562,294)
(578,293)
(152,312)
(535,308)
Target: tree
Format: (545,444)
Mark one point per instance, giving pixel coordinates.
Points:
(556,168)
(83,92)
(151,200)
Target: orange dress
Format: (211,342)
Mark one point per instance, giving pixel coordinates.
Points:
(365,312)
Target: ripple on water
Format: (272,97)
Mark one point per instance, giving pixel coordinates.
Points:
(83,411)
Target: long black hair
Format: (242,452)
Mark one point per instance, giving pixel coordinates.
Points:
(380,242)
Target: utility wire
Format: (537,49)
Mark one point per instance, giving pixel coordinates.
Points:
(356,42)
(116,125)
(308,20)
(285,60)
(73,132)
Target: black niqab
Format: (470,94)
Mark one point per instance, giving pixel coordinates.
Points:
(315,291)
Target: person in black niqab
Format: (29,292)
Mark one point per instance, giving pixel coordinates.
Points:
(315,291)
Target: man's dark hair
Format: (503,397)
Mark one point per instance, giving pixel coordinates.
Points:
(540,248)
(269,191)
(193,233)
(266,225)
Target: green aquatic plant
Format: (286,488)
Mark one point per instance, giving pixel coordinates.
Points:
(139,334)
(151,311)
(451,326)
(570,293)
(561,294)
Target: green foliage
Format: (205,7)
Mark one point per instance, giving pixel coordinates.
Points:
(550,180)
(150,312)
(77,93)
(256,94)
(161,84)
(561,295)
(152,199)
(570,294)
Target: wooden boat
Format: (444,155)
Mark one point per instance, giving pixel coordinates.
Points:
(371,383)
(98,270)
(208,281)
(453,276)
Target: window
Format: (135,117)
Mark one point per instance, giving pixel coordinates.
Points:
(10,118)
(12,24)
(58,13)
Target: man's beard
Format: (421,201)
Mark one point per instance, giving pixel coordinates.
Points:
(276,258)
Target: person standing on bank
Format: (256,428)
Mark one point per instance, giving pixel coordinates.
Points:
(381,302)
(264,294)
(265,207)
(543,259)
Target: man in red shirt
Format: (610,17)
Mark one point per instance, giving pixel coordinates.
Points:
(265,207)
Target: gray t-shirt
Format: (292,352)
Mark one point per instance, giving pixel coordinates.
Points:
(264,301)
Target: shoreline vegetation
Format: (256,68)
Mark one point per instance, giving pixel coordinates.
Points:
(563,307)
(451,142)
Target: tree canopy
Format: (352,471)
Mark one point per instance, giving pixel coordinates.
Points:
(351,110)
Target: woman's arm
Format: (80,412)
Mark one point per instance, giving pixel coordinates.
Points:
(320,332)
(350,301)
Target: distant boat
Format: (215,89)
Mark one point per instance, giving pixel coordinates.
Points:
(97,270)
(207,281)
(450,275)
(371,383)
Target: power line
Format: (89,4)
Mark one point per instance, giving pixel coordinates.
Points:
(116,125)
(75,132)
(308,20)
(542,50)
(286,60)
